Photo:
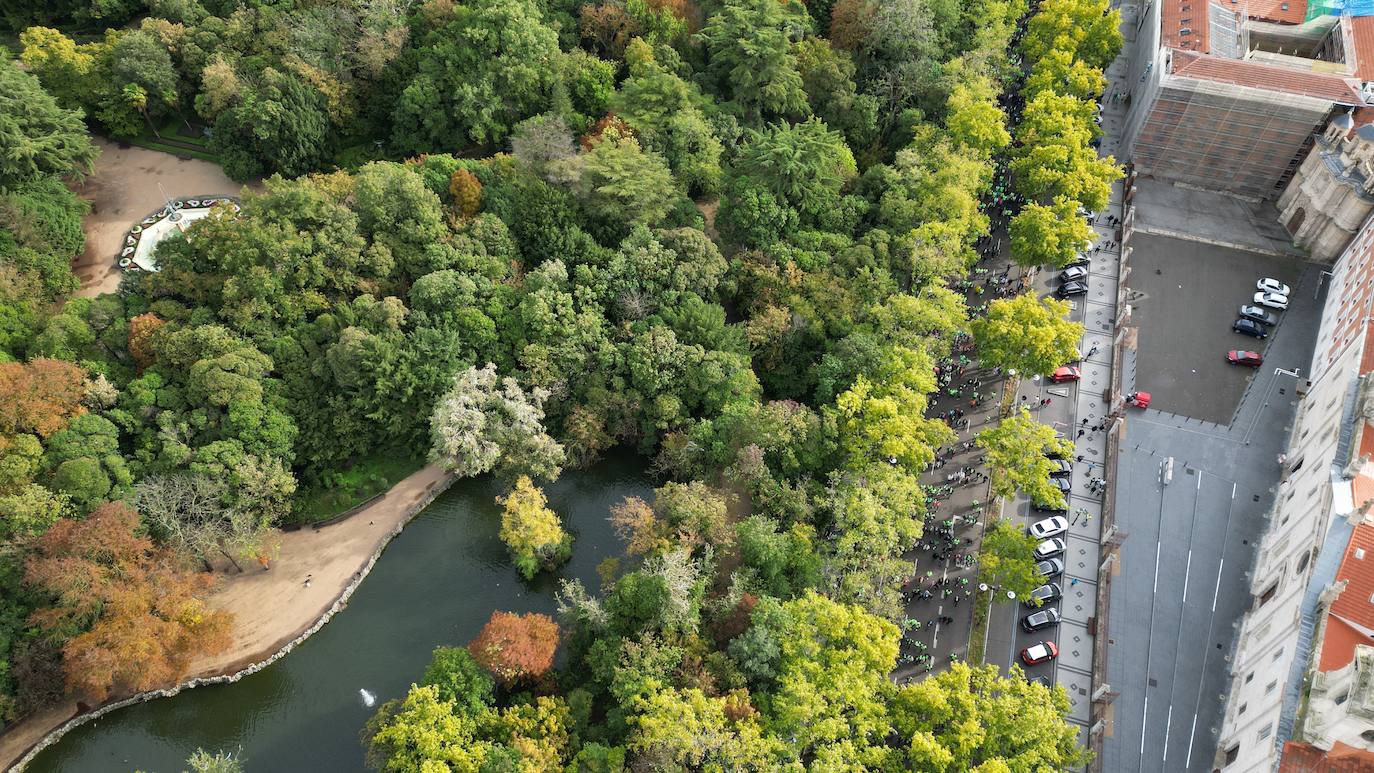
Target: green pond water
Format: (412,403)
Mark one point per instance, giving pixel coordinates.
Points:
(437,583)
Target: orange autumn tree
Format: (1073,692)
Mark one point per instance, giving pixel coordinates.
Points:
(141,329)
(138,613)
(40,396)
(467,193)
(516,647)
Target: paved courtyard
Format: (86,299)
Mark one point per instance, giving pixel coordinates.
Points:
(1181,585)
(1186,294)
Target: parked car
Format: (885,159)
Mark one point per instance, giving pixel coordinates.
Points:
(1070,289)
(1056,453)
(1082,260)
(1061,468)
(1272,300)
(1045,507)
(1075,274)
(1269,285)
(1042,679)
(1042,652)
(1049,548)
(1259,315)
(1049,527)
(1066,373)
(1042,595)
(1045,618)
(1239,357)
(1062,484)
(1050,567)
(1251,328)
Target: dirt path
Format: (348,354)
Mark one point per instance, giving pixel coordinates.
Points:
(123,190)
(272,608)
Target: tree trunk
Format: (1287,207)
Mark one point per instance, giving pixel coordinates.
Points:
(225,553)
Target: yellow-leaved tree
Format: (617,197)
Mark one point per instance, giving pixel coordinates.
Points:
(531,530)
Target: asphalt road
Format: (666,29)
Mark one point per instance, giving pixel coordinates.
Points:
(1189,294)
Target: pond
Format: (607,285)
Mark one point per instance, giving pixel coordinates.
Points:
(437,583)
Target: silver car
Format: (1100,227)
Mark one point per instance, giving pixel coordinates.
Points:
(1271,300)
(1049,548)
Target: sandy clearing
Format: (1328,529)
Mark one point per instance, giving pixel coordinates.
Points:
(123,190)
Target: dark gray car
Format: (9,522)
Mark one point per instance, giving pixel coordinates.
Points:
(1050,568)
(1045,618)
(1256,314)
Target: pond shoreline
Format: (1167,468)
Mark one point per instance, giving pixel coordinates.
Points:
(21,743)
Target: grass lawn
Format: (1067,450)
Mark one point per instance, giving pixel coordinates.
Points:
(176,142)
(343,489)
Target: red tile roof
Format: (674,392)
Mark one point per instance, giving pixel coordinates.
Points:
(1304,758)
(1354,605)
(1338,644)
(1362,35)
(1345,91)
(1272,10)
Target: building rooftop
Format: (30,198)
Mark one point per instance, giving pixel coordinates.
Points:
(1280,11)
(1239,72)
(1305,758)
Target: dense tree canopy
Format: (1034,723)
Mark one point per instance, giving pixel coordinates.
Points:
(401,281)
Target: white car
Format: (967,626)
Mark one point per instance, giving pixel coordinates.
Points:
(1048,548)
(1271,300)
(1049,527)
(1272,286)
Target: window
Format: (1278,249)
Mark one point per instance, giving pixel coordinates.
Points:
(1233,752)
(1368,735)
(1249,677)
(1264,732)
(1341,698)
(1268,688)
(1268,594)
(1359,553)
(1278,654)
(1302,561)
(1242,709)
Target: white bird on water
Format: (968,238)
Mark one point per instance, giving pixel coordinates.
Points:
(368,698)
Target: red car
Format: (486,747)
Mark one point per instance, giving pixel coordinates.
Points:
(1066,373)
(1239,357)
(1036,654)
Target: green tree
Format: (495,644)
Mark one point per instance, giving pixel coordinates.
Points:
(1027,334)
(1060,70)
(832,680)
(623,185)
(1006,560)
(423,732)
(202,761)
(38,137)
(279,125)
(1016,452)
(492,64)
(751,57)
(1087,28)
(1051,235)
(460,679)
(973,118)
(804,166)
(687,730)
(967,719)
(531,531)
